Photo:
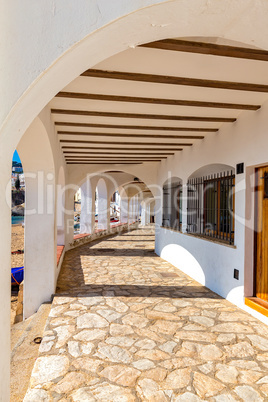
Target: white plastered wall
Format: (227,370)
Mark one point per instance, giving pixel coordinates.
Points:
(210,263)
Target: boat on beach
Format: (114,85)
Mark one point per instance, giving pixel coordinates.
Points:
(17,275)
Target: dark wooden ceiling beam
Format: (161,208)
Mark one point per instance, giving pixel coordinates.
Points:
(113,158)
(127,143)
(182,137)
(143,116)
(208,49)
(123,159)
(155,101)
(104,163)
(172,80)
(144,148)
(118,152)
(131,127)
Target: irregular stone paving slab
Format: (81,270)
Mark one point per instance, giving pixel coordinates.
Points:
(127,326)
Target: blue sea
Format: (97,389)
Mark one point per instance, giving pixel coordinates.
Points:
(15,220)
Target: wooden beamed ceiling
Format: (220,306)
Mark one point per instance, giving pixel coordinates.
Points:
(106,115)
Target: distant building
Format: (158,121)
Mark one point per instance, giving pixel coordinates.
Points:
(17,167)
(14,178)
(77,196)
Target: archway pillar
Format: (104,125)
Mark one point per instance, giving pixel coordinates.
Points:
(147,212)
(134,209)
(124,209)
(40,259)
(103,206)
(152,210)
(130,210)
(136,200)
(158,208)
(143,212)
(69,215)
(5,277)
(184,208)
(39,256)
(138,207)
(87,216)
(60,215)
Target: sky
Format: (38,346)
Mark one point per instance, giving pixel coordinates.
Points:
(16,157)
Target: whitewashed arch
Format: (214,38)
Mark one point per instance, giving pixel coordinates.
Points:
(77,48)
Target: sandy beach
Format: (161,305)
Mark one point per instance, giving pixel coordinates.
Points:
(17,260)
(17,243)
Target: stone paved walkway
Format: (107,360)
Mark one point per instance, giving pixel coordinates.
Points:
(127,326)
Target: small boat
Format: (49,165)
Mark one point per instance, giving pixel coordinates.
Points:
(17,275)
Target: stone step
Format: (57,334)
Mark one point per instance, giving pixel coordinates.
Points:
(25,350)
(17,331)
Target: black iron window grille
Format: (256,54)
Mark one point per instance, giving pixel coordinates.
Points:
(210,206)
(172,206)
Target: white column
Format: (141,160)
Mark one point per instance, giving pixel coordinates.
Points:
(130,209)
(147,213)
(152,212)
(40,257)
(103,206)
(184,208)
(158,209)
(102,213)
(124,210)
(69,215)
(135,208)
(60,215)
(40,244)
(5,276)
(87,216)
(143,213)
(138,208)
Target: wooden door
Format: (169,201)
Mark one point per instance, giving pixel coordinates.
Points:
(261,268)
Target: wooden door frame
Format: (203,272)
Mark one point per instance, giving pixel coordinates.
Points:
(255,228)
(258,204)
